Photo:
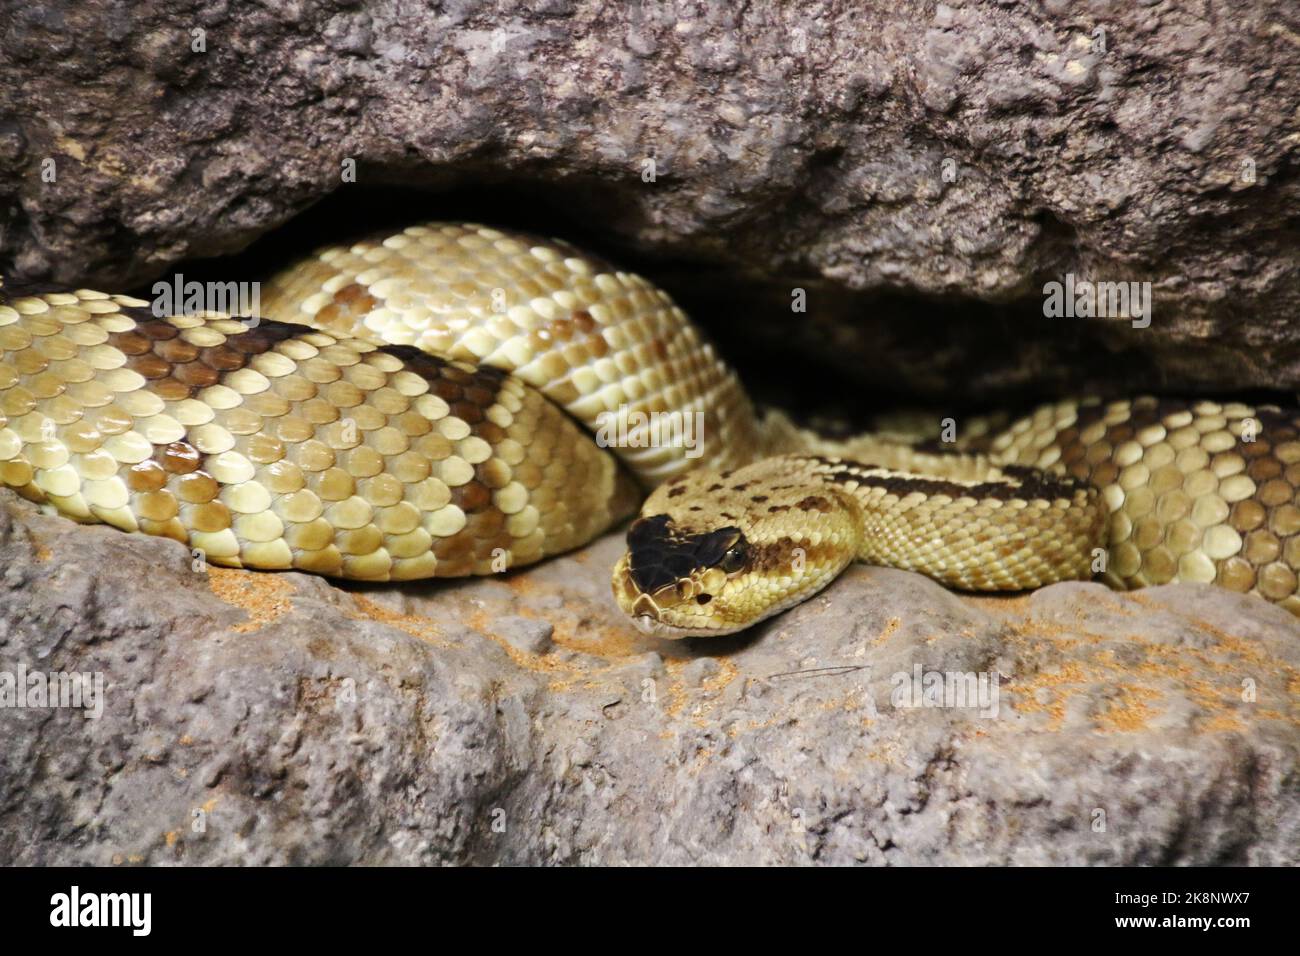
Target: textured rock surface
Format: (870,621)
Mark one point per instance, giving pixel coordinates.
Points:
(801,144)
(276,718)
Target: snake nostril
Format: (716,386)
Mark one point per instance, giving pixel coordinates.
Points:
(703,598)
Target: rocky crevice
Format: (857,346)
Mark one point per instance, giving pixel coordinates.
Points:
(899,160)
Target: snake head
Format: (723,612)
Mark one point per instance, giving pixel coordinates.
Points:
(715,552)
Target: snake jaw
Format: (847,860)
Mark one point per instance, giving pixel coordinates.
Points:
(647,611)
(645,617)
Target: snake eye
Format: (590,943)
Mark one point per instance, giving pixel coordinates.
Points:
(733,560)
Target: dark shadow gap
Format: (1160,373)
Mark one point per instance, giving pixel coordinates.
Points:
(848,358)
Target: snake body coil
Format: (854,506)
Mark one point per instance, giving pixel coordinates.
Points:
(415,411)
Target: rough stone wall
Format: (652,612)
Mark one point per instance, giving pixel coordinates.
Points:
(966,151)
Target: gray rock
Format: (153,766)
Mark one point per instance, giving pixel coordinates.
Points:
(527,634)
(901,163)
(278,718)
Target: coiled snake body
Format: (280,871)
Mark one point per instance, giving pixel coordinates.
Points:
(416,404)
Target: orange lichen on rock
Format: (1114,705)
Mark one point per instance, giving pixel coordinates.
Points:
(418,627)
(589,634)
(263,597)
(1129,710)
(890,627)
(705,695)
(1211,676)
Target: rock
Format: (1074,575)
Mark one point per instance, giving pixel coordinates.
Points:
(919,171)
(523,633)
(278,718)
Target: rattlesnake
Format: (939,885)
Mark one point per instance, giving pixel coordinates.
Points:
(415,405)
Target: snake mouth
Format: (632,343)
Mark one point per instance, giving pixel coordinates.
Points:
(645,617)
(651,626)
(646,613)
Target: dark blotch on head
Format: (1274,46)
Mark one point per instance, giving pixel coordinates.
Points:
(659,554)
